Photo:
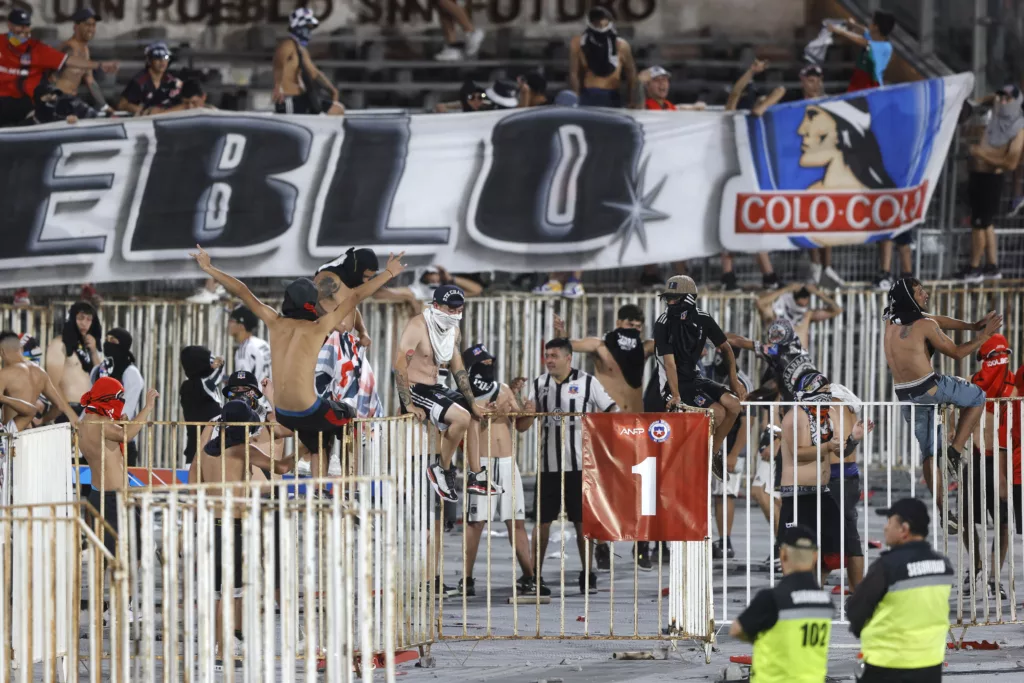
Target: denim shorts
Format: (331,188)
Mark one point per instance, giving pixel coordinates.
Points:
(953,391)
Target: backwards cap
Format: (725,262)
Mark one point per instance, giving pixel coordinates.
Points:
(300,297)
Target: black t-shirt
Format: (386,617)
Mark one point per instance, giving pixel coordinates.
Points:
(142,91)
(763,611)
(627,348)
(683,335)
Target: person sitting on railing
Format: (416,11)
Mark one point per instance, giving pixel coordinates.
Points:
(296,336)
(793,302)
(911,337)
(999,383)
(102,442)
(199,395)
(495,436)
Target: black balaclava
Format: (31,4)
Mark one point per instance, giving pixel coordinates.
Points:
(902,309)
(117,357)
(481,379)
(197,361)
(600,46)
(74,343)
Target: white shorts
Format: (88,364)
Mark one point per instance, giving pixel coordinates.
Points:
(501,505)
(763,477)
(731,486)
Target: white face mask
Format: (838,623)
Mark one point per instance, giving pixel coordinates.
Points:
(445,321)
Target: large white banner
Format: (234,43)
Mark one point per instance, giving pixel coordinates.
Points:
(549,188)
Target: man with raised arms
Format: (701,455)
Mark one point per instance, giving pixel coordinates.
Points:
(296,336)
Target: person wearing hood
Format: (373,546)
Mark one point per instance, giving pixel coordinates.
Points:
(599,63)
(102,442)
(119,363)
(199,396)
(298,84)
(911,337)
(998,153)
(297,336)
(74,352)
(793,302)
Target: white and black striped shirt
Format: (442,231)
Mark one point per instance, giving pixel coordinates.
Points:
(253,355)
(562,448)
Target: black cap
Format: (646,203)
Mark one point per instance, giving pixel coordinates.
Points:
(912,511)
(477,353)
(799,536)
(245,317)
(449,295)
(20,17)
(85,14)
(242,378)
(812,70)
(300,297)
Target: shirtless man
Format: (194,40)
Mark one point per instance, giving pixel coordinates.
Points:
(296,337)
(499,456)
(619,357)
(72,356)
(102,442)
(231,458)
(599,61)
(297,80)
(793,302)
(429,341)
(335,281)
(71,78)
(911,337)
(21,383)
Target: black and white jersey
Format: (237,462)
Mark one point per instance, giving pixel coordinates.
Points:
(253,355)
(683,336)
(581,392)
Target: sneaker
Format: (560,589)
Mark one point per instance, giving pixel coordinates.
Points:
(477,484)
(643,562)
(443,589)
(952,524)
(549,288)
(438,478)
(218,665)
(593,583)
(992,272)
(972,275)
(573,289)
(717,468)
(603,558)
(832,275)
(21,297)
(729,283)
(992,590)
(466,587)
(527,585)
(729,552)
(449,53)
(953,463)
(473,41)
(883,281)
(771,281)
(816,271)
(716,550)
(769,563)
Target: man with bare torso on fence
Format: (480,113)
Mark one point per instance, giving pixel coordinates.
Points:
(102,442)
(72,356)
(620,357)
(912,336)
(431,340)
(296,337)
(297,80)
(21,384)
(598,63)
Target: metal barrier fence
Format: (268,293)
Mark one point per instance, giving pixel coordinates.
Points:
(890,464)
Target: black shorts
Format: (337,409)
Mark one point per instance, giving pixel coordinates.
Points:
(879,674)
(984,194)
(296,104)
(654,402)
(904,239)
(62,418)
(700,392)
(807,515)
(550,496)
(990,494)
(109,509)
(237,552)
(435,400)
(324,417)
(14,111)
(848,506)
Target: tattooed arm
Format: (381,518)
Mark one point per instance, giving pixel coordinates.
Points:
(462,381)
(406,348)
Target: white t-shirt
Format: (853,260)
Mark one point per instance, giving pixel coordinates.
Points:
(253,355)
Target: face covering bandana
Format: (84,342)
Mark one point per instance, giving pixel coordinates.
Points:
(16,41)
(441,327)
(106,397)
(481,379)
(685,303)
(118,356)
(600,46)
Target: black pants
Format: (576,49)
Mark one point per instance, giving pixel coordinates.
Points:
(14,111)
(880,674)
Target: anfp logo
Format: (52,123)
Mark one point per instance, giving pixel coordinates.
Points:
(659,431)
(632,431)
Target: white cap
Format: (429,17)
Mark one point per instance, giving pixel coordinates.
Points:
(658,71)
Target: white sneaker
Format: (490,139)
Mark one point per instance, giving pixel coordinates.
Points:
(205,296)
(816,271)
(573,290)
(549,288)
(449,54)
(831,274)
(473,41)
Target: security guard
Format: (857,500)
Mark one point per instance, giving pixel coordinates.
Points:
(900,611)
(790,624)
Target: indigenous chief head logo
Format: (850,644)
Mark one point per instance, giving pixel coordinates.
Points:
(848,169)
(659,431)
